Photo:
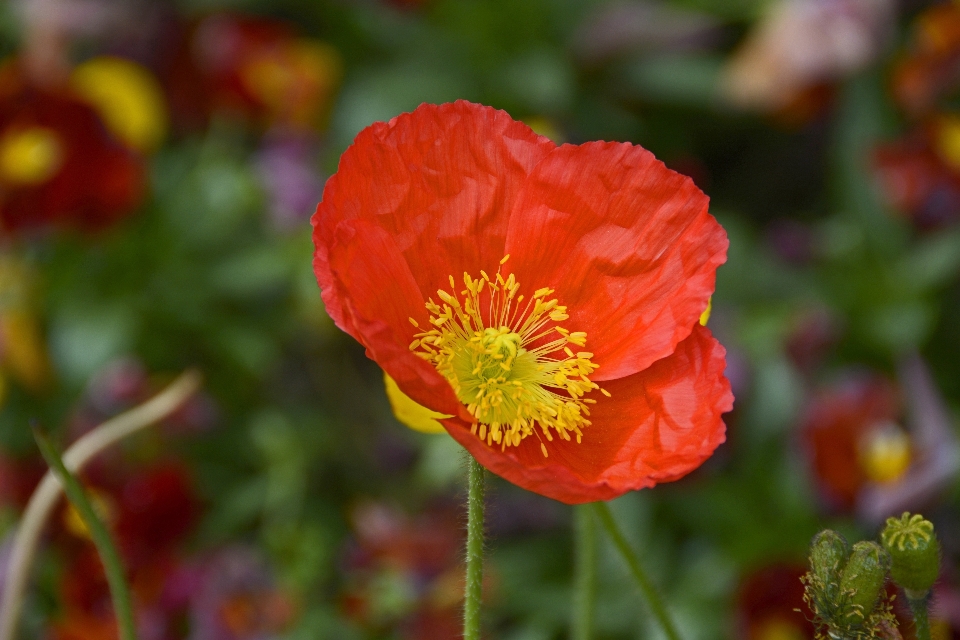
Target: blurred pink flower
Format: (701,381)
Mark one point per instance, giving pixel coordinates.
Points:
(799,44)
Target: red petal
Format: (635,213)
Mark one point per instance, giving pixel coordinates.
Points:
(441,181)
(659,425)
(627,244)
(364,260)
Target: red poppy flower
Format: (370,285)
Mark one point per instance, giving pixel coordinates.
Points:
(570,361)
(57,160)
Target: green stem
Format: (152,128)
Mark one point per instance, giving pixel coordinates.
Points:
(918,607)
(649,592)
(98,532)
(474,585)
(584,573)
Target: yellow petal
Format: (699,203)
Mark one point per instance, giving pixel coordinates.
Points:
(128,97)
(706,312)
(413,415)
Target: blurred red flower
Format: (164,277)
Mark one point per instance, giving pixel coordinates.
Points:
(920,172)
(406,573)
(255,68)
(58,163)
(150,513)
(770,605)
(605,245)
(853,438)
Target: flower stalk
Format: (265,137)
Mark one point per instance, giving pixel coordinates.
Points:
(921,621)
(113,567)
(585,573)
(639,575)
(473,591)
(915,552)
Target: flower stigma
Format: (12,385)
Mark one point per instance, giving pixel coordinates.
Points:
(512,366)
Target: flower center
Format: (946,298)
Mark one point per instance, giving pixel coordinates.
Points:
(508,360)
(30,156)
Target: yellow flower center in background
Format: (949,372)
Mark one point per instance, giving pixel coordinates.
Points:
(128,98)
(29,156)
(948,141)
(885,453)
(508,361)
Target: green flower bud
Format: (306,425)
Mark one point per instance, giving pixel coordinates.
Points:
(862,580)
(828,554)
(914,552)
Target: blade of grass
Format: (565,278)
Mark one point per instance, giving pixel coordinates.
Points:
(45,497)
(639,575)
(119,591)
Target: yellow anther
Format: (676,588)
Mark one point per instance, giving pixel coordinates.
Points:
(486,351)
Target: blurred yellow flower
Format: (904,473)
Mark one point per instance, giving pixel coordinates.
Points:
(128,97)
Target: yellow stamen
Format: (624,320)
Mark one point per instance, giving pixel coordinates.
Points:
(508,361)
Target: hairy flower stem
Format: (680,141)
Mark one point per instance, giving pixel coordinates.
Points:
(474,583)
(585,573)
(646,587)
(918,607)
(113,567)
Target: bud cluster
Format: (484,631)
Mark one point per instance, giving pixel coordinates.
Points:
(845,586)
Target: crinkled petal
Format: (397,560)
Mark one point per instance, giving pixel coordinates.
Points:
(626,243)
(441,181)
(364,260)
(657,426)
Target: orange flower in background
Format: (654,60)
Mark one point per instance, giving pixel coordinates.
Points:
(930,68)
(255,68)
(541,301)
(58,162)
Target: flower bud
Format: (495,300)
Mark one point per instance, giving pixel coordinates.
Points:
(828,554)
(862,580)
(914,552)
